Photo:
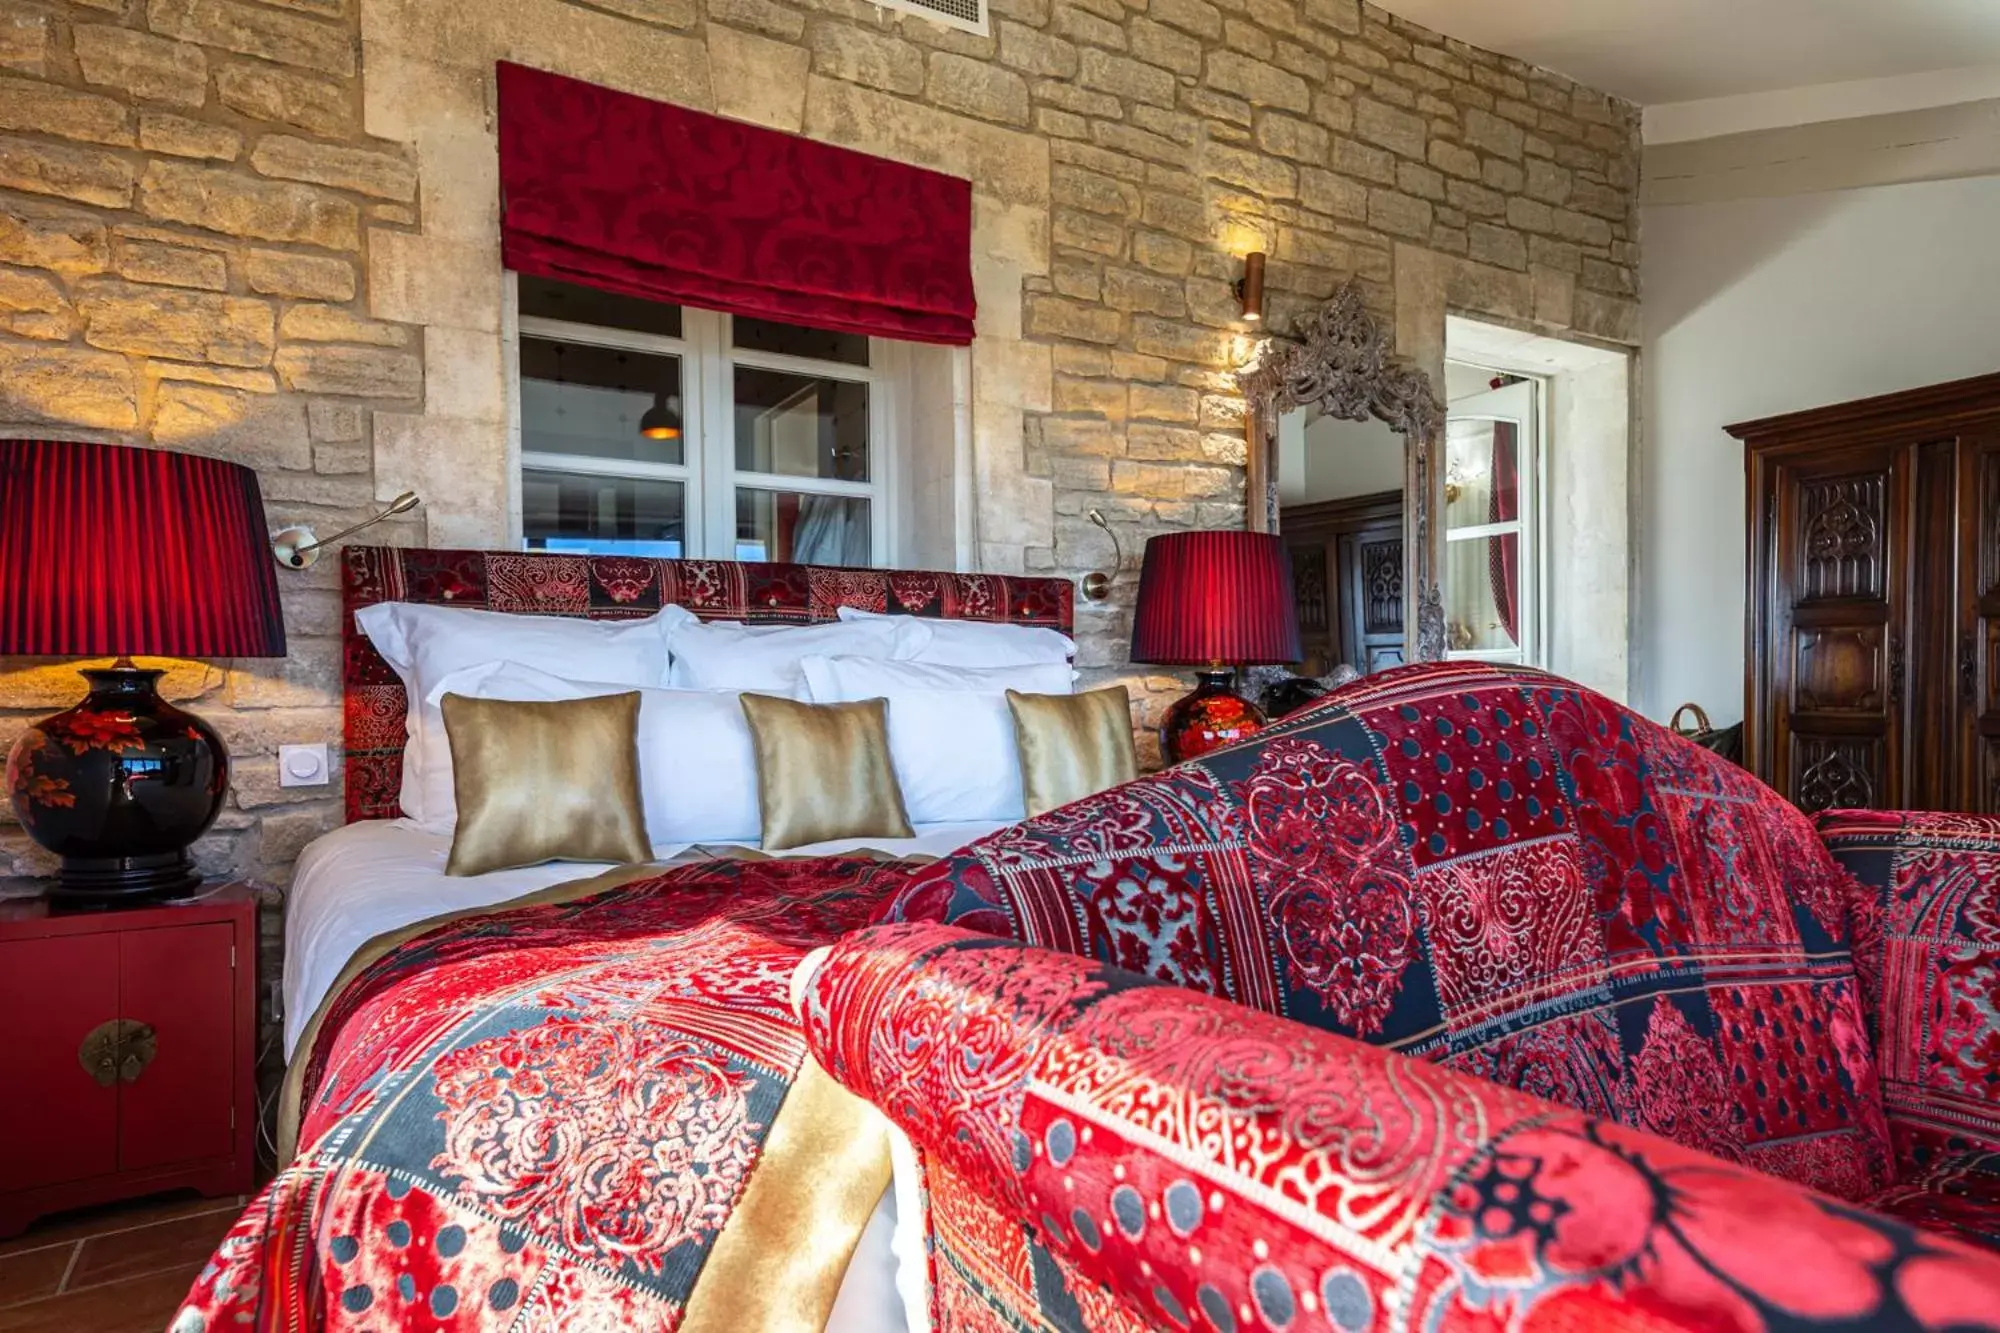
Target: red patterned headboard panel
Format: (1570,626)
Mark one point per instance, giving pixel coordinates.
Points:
(605,587)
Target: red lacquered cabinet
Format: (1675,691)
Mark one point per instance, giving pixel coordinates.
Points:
(127,1052)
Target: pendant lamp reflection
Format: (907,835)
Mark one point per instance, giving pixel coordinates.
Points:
(662,420)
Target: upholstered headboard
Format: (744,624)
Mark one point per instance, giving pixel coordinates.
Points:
(603,587)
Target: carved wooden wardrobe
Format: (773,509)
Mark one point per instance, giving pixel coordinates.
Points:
(1347,576)
(1873,636)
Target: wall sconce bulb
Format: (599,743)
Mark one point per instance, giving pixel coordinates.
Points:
(297,547)
(1097,583)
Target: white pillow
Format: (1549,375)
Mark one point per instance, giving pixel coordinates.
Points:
(976,643)
(764,659)
(424,644)
(951,734)
(697,770)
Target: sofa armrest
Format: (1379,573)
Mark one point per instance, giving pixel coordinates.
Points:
(1926,924)
(1146,1156)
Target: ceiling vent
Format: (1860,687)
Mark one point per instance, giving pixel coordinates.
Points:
(969,15)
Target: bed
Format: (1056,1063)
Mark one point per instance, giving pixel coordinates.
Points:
(574,1095)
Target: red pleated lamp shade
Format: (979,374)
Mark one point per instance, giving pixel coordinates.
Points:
(1216,598)
(111,551)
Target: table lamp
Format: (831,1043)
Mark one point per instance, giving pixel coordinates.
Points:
(1214,601)
(107,551)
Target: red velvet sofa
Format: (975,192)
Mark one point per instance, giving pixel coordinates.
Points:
(1464,999)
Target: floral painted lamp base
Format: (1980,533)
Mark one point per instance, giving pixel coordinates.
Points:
(1213,716)
(118,786)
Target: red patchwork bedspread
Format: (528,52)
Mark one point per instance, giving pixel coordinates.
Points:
(542,1117)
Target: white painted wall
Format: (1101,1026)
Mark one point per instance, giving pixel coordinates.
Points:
(1323,458)
(1760,306)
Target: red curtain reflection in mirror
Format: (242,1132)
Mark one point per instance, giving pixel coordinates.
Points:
(1504,552)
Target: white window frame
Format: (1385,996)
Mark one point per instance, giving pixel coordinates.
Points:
(1528,651)
(709,476)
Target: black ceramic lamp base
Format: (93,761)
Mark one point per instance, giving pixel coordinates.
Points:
(1213,716)
(118,787)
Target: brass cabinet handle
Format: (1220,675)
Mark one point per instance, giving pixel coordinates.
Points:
(118,1051)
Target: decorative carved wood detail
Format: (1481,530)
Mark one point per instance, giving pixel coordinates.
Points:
(1382,582)
(1343,365)
(1835,774)
(1841,521)
(1838,670)
(1989,535)
(1309,588)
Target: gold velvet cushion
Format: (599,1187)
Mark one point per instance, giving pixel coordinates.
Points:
(1072,745)
(823,771)
(544,781)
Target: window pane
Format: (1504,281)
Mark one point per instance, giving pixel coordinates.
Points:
(800,426)
(549,299)
(600,402)
(1482,593)
(1482,481)
(563,511)
(766,335)
(807,529)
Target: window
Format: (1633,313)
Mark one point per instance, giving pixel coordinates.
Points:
(1492,601)
(662,430)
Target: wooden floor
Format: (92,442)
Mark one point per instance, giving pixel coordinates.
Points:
(124,1268)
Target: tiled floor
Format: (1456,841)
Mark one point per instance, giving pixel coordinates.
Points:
(119,1269)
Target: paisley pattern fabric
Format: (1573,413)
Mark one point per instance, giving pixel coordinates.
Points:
(1101,1152)
(1927,943)
(605,587)
(540,1118)
(1496,870)
(670,204)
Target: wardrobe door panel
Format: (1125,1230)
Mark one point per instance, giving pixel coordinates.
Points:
(1977,661)
(1836,656)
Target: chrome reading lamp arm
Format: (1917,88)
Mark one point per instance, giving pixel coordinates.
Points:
(297,548)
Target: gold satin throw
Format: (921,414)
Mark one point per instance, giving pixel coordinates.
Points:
(536,782)
(1072,745)
(823,771)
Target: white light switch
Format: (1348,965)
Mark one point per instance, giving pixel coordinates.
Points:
(302,765)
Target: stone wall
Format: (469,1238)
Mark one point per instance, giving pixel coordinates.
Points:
(269,230)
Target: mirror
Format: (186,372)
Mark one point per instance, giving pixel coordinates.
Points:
(1342,441)
(1340,511)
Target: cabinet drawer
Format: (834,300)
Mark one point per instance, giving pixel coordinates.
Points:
(56,1122)
(178,982)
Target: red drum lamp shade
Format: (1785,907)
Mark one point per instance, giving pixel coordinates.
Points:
(1214,600)
(108,551)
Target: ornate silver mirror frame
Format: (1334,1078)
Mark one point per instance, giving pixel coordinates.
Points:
(1342,366)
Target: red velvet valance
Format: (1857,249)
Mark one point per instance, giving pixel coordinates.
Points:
(635,196)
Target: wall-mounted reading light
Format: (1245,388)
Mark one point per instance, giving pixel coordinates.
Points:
(1097,583)
(297,548)
(1250,287)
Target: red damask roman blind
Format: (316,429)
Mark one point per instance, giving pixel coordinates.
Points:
(635,196)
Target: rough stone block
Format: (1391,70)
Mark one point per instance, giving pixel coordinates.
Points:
(1399,214)
(1079,24)
(1179,341)
(171,265)
(69,386)
(255,30)
(83,174)
(1078,230)
(1121,76)
(329,323)
(1527,215)
(1476,200)
(24,42)
(665,13)
(1488,133)
(1097,194)
(756,79)
(148,67)
(363,170)
(1335,196)
(978,88)
(1128,289)
(1036,52)
(1264,176)
(44,108)
(188,326)
(1263,84)
(353,372)
(762,15)
(1299,140)
(1162,443)
(336,423)
(868,58)
(1343,16)
(222,377)
(238,206)
(1164,402)
(1161,253)
(1488,244)
(162,132)
(265,92)
(263,430)
(1398,131)
(1054,317)
(1099,397)
(39,236)
(1157,44)
(315,277)
(1195,16)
